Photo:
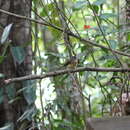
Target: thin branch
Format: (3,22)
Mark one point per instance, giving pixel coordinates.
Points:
(85,41)
(65,71)
(65,26)
(98,23)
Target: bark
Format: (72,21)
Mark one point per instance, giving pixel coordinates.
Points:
(20,35)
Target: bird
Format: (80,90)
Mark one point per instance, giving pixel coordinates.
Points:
(72,62)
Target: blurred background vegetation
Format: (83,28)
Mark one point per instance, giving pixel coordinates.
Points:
(68,28)
(68,100)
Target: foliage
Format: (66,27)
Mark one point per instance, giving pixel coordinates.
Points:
(95,21)
(59,105)
(6,33)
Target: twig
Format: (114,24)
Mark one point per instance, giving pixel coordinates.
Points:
(65,71)
(85,41)
(98,23)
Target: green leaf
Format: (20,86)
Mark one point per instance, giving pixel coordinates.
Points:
(11,91)
(18,54)
(55,54)
(1,58)
(110,62)
(79,5)
(107,15)
(113,44)
(8,126)
(128,36)
(30,91)
(96,8)
(43,12)
(67,124)
(2,75)
(6,33)
(99,2)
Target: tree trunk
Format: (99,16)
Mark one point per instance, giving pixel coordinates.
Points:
(20,35)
